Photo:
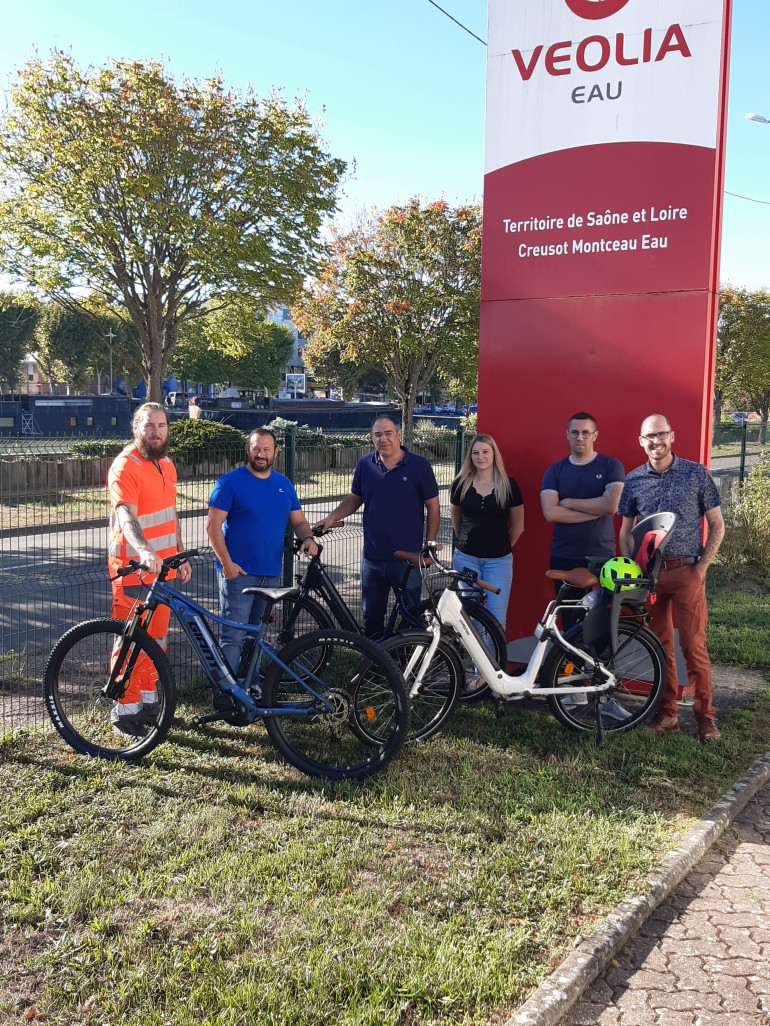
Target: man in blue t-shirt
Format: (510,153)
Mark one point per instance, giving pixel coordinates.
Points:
(249,509)
(395,487)
(580,496)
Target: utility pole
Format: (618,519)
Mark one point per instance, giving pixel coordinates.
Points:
(110,336)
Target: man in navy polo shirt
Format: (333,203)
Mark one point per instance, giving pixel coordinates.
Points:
(668,484)
(395,487)
(580,496)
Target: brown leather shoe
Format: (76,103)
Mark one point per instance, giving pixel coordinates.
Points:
(663,725)
(708,731)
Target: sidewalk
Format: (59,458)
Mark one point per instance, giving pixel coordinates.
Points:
(693,950)
(702,957)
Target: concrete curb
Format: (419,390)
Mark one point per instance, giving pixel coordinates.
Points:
(565,985)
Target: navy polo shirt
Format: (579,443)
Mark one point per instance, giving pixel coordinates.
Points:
(685,488)
(394,502)
(583,481)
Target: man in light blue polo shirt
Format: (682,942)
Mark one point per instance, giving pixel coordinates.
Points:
(249,509)
(396,487)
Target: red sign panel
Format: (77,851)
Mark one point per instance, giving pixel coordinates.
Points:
(602,202)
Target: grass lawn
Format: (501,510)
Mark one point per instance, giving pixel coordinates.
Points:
(739,619)
(212,884)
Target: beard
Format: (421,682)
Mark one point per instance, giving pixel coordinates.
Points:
(152,449)
(260,464)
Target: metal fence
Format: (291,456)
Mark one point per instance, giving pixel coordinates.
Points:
(53,525)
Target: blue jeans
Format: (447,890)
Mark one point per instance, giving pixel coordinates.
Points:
(378,576)
(498,571)
(234,605)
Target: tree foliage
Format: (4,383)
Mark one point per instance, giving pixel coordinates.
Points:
(165,196)
(743,349)
(65,347)
(401,291)
(18,318)
(234,347)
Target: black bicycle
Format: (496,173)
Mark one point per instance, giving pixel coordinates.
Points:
(300,611)
(333,704)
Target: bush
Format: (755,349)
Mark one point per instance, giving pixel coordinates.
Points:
(430,440)
(745,550)
(305,435)
(99,446)
(469,423)
(191,441)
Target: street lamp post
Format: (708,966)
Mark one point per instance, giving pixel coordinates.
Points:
(758,117)
(110,336)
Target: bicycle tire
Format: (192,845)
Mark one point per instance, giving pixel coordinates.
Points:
(76,673)
(432,705)
(639,664)
(286,626)
(491,630)
(312,616)
(362,684)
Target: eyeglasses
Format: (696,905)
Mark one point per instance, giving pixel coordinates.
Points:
(580,434)
(657,436)
(383,434)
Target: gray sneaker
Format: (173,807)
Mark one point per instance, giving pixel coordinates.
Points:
(148,714)
(130,725)
(578,699)
(614,710)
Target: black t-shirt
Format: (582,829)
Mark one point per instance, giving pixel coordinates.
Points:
(483,522)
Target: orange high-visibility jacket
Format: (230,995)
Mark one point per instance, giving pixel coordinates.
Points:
(138,482)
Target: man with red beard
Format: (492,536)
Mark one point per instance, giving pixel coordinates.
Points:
(143,526)
(249,509)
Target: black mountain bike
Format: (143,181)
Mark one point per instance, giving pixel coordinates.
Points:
(301,611)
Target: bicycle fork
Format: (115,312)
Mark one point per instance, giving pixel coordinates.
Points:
(424,659)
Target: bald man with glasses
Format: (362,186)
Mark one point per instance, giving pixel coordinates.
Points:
(668,484)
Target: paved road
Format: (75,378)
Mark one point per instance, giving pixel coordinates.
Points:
(702,958)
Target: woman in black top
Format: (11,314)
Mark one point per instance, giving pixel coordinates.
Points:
(488,519)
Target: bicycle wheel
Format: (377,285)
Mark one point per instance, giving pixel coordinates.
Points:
(293,618)
(494,638)
(639,665)
(74,685)
(432,704)
(358,717)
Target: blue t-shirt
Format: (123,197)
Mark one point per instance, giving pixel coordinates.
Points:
(583,481)
(394,502)
(257,513)
(685,488)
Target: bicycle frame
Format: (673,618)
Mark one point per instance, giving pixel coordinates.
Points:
(450,611)
(193,619)
(318,582)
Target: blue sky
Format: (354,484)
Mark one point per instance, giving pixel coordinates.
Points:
(400,87)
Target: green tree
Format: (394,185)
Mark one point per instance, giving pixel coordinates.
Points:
(401,291)
(18,317)
(163,195)
(744,345)
(65,347)
(235,347)
(329,366)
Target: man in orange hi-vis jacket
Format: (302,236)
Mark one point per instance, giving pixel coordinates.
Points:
(143,526)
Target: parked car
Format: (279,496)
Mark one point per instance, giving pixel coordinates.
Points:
(178,400)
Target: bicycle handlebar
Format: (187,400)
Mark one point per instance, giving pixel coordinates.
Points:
(169,563)
(428,556)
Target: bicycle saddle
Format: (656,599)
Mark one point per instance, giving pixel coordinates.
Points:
(578,578)
(276,594)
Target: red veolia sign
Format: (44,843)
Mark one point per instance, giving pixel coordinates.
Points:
(602,203)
